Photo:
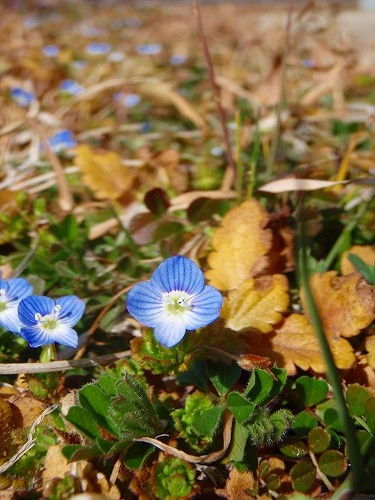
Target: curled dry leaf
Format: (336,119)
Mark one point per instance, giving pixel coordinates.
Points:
(365,252)
(240,246)
(346,304)
(293,344)
(104,173)
(257,303)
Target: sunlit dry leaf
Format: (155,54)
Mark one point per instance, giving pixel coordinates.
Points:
(240,246)
(238,485)
(294,344)
(169,160)
(345,304)
(55,465)
(295,184)
(29,407)
(366,252)
(257,303)
(370,348)
(104,173)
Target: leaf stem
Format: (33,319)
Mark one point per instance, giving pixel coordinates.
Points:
(354,452)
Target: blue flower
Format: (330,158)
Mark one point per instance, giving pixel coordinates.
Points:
(174,300)
(51,50)
(177,59)
(12,291)
(127,100)
(22,97)
(71,87)
(45,321)
(149,49)
(62,140)
(98,48)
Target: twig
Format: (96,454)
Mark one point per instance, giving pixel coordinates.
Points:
(60,366)
(230,174)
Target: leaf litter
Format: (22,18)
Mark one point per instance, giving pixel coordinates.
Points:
(125,141)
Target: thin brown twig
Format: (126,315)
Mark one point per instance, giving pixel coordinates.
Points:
(97,321)
(230,174)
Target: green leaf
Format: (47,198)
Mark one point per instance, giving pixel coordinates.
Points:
(223,376)
(332,463)
(303,475)
(357,397)
(74,452)
(259,386)
(370,414)
(203,209)
(84,421)
(174,479)
(304,422)
(311,390)
(137,454)
(156,200)
(366,270)
(242,450)
(196,376)
(208,423)
(294,447)
(318,440)
(328,412)
(278,384)
(95,400)
(241,408)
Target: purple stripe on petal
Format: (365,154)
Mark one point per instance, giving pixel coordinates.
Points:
(33,304)
(205,308)
(170,331)
(72,309)
(145,303)
(178,273)
(35,336)
(18,289)
(65,336)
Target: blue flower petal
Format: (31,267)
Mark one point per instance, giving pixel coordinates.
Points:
(33,304)
(72,309)
(144,302)
(170,331)
(178,273)
(205,308)
(35,336)
(9,320)
(64,335)
(18,289)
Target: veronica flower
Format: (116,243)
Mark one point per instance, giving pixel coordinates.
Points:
(98,48)
(45,321)
(177,59)
(22,97)
(12,291)
(127,100)
(149,49)
(174,300)
(71,87)
(62,140)
(51,50)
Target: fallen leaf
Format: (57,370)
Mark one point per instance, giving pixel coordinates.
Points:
(370,348)
(295,184)
(257,303)
(366,252)
(240,246)
(345,304)
(55,465)
(104,173)
(238,485)
(293,344)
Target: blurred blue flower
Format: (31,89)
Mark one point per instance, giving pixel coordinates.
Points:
(149,49)
(174,300)
(177,59)
(98,48)
(116,56)
(22,97)
(12,291)
(127,100)
(45,321)
(51,50)
(71,87)
(62,140)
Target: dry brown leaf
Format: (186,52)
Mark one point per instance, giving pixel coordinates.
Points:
(295,184)
(104,173)
(55,465)
(238,485)
(257,303)
(240,246)
(294,344)
(345,304)
(370,348)
(365,252)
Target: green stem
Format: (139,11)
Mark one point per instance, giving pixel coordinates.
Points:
(354,451)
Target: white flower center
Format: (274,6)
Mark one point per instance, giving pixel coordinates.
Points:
(177,302)
(3,300)
(49,321)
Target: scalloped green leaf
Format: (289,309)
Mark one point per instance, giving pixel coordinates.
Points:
(294,447)
(303,475)
(332,463)
(223,377)
(241,407)
(318,440)
(311,390)
(208,422)
(259,387)
(356,398)
(304,422)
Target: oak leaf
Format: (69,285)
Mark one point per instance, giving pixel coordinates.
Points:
(346,304)
(240,246)
(257,303)
(365,252)
(293,344)
(104,173)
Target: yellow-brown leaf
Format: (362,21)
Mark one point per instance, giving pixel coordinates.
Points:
(257,303)
(240,246)
(370,348)
(294,344)
(104,173)
(365,252)
(346,304)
